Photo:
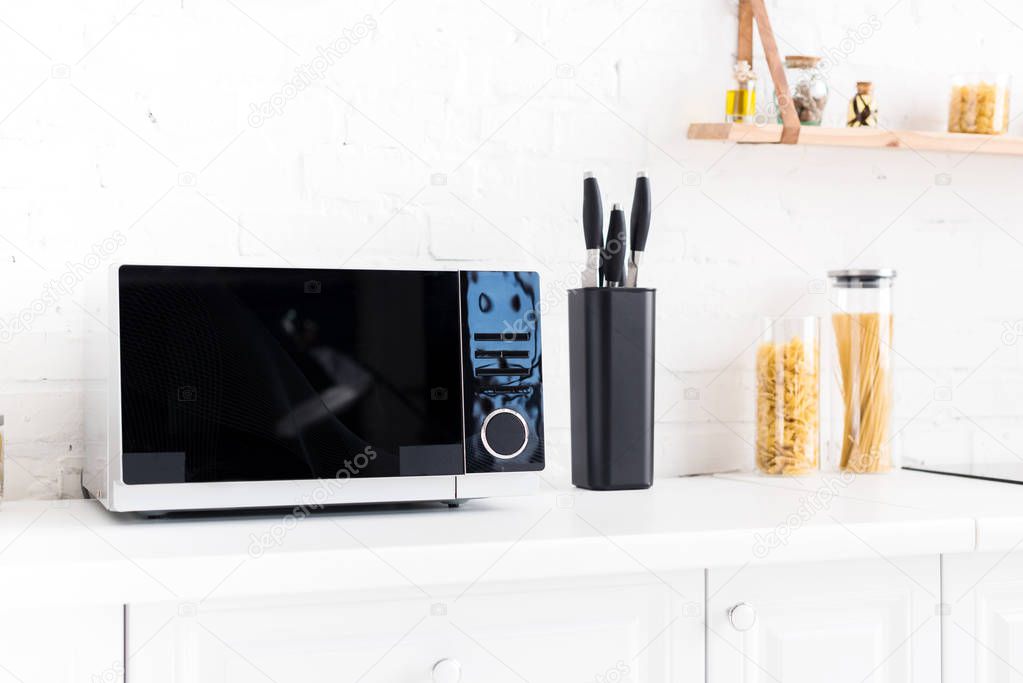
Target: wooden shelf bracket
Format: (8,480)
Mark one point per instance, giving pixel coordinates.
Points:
(755,11)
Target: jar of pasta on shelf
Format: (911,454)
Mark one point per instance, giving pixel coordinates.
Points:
(787,386)
(979,103)
(863,323)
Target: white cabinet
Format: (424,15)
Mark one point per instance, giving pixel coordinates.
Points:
(858,620)
(983,623)
(62,645)
(636,630)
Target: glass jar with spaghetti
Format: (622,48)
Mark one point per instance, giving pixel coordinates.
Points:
(787,386)
(862,323)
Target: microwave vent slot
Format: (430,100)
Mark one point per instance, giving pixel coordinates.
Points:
(510,371)
(502,336)
(501,353)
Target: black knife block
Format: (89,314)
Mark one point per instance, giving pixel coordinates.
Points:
(611,359)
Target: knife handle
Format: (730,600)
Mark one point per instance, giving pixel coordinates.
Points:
(593,213)
(642,209)
(614,249)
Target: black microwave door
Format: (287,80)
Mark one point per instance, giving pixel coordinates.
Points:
(254,374)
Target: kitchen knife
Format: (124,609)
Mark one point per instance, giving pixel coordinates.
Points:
(639,226)
(614,249)
(593,230)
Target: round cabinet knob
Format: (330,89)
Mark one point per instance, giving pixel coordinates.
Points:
(447,671)
(504,433)
(742,616)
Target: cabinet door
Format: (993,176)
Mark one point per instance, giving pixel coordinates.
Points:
(62,644)
(857,620)
(983,622)
(556,632)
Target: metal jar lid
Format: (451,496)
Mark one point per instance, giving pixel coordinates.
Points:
(862,278)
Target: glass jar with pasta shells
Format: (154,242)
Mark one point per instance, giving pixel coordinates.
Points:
(863,323)
(787,405)
(979,103)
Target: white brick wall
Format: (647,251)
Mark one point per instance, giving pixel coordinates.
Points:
(455,135)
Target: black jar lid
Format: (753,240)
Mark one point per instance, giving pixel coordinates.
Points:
(862,278)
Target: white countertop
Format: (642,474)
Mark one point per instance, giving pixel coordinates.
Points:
(76,551)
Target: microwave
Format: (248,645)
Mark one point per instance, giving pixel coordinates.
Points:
(251,387)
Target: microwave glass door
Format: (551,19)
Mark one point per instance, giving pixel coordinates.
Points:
(242,374)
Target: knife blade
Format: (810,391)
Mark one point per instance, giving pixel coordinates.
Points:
(593,230)
(614,249)
(639,226)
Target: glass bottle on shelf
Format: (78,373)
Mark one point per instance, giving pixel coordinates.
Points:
(741,101)
(862,111)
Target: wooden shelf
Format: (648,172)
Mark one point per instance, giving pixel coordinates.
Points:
(865,138)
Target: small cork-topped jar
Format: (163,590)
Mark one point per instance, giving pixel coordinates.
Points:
(862,107)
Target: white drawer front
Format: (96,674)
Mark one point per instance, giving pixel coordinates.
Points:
(587,632)
(862,620)
(62,645)
(983,625)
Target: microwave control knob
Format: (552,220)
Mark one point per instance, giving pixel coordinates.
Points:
(742,616)
(504,433)
(447,671)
